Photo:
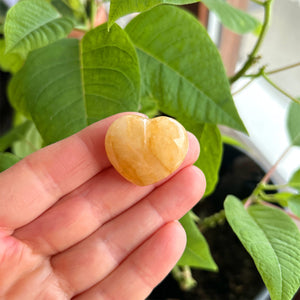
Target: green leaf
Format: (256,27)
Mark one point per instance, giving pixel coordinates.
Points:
(273,241)
(294,204)
(295,180)
(75,5)
(211,149)
(31,142)
(197,253)
(7,160)
(293,123)
(119,8)
(10,62)
(232,18)
(181,67)
(149,107)
(13,135)
(282,198)
(226,139)
(70,84)
(32,24)
(74,11)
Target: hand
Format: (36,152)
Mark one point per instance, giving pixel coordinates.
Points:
(72,228)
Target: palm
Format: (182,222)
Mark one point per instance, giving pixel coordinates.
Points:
(71,227)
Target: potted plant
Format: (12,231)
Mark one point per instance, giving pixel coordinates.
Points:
(162,62)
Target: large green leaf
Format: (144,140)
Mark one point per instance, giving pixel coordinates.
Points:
(10,62)
(197,253)
(294,181)
(211,149)
(149,107)
(273,241)
(13,135)
(30,142)
(232,18)
(181,67)
(31,24)
(70,84)
(294,204)
(119,8)
(293,123)
(73,10)
(7,160)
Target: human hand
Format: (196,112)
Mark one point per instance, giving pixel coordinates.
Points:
(72,228)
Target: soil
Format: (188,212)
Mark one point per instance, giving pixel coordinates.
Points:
(237,278)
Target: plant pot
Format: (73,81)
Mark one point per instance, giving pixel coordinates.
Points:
(238,278)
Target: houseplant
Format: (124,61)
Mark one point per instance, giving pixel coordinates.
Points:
(162,62)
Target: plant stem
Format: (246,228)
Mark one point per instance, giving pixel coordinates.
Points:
(271,187)
(258,2)
(243,87)
(184,277)
(213,220)
(92,12)
(267,177)
(279,89)
(283,68)
(252,56)
(276,207)
(262,185)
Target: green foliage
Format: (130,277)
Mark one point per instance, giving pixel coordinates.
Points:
(31,142)
(273,241)
(163,62)
(294,200)
(13,135)
(94,78)
(211,149)
(232,141)
(149,107)
(171,73)
(295,180)
(232,18)
(3,11)
(10,62)
(73,10)
(119,8)
(197,253)
(293,123)
(31,24)
(7,160)
(294,204)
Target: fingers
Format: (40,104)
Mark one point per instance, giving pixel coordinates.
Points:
(143,269)
(84,210)
(100,253)
(81,212)
(45,176)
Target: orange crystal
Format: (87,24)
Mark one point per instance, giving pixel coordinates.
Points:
(145,151)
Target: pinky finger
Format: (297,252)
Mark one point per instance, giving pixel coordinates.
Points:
(145,268)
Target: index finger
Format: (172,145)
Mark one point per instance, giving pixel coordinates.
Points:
(35,183)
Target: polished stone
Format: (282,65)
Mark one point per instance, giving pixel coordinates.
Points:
(145,151)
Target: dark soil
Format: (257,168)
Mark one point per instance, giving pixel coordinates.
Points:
(237,278)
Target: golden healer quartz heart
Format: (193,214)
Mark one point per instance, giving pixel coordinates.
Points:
(144,151)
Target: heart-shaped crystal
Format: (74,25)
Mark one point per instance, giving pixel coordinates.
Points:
(145,151)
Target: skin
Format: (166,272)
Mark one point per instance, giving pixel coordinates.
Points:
(72,228)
